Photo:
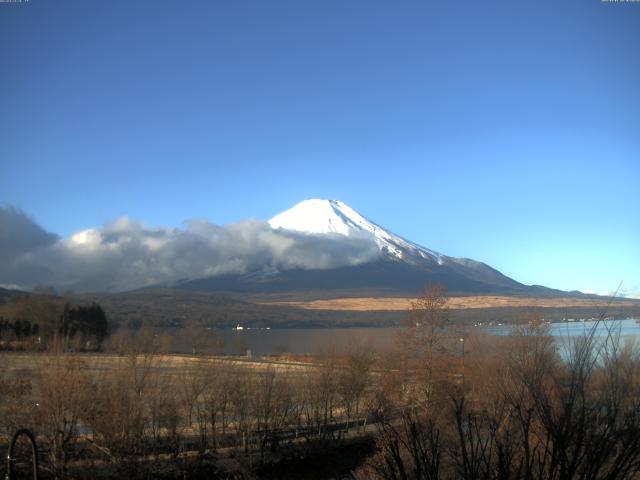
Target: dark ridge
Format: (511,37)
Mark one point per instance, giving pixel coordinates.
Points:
(386,277)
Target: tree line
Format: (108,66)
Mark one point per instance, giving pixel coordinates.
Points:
(33,321)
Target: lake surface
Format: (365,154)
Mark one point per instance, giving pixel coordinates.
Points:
(318,340)
(312,341)
(626,327)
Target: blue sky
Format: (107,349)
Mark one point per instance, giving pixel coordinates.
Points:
(507,132)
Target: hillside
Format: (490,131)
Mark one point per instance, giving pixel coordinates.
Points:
(399,267)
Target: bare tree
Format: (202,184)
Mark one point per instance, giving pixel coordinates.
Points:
(240,401)
(320,395)
(63,390)
(217,397)
(271,404)
(195,336)
(16,399)
(423,338)
(354,378)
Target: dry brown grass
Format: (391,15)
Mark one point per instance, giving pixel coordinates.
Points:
(400,304)
(18,364)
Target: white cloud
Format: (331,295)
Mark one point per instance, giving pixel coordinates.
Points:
(624,292)
(126,254)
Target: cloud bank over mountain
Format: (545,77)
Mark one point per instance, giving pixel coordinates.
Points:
(19,234)
(126,254)
(315,234)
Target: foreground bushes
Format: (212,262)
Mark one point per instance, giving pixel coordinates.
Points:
(90,412)
(440,406)
(531,411)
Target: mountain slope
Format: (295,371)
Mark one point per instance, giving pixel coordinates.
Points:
(402,267)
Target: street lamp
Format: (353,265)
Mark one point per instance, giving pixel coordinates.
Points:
(462,344)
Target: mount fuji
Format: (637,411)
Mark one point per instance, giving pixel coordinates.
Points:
(333,216)
(401,266)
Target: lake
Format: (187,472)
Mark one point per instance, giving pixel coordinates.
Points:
(317,340)
(626,327)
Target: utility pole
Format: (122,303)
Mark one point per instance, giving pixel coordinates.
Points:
(462,343)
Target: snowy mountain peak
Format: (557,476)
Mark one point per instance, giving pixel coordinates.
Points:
(318,216)
(322,216)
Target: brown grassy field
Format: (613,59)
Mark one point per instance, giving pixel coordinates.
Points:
(398,304)
(19,364)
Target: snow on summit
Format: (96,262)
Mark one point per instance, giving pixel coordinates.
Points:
(322,216)
(318,216)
